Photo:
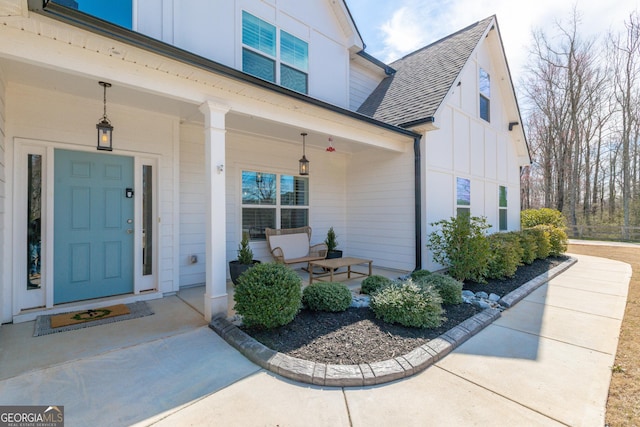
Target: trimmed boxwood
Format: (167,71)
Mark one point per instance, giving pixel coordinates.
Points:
(420,274)
(557,239)
(543,246)
(326,296)
(529,245)
(449,289)
(268,295)
(373,284)
(409,305)
(506,255)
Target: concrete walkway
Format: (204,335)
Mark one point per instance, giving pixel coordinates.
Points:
(546,361)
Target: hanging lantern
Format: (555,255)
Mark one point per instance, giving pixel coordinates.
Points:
(303,162)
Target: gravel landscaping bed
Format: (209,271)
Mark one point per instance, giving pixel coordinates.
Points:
(356,336)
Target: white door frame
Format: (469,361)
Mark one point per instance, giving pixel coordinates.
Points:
(27,304)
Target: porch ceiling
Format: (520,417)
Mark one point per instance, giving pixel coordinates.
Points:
(83,86)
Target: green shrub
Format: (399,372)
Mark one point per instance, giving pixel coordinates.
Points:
(373,284)
(543,246)
(529,245)
(461,245)
(557,239)
(268,295)
(327,296)
(506,255)
(245,254)
(420,274)
(409,305)
(449,289)
(544,216)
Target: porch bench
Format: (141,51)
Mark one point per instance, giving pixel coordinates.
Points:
(293,245)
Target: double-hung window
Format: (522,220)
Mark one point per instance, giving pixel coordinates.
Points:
(485,95)
(463,197)
(272,200)
(502,208)
(273,55)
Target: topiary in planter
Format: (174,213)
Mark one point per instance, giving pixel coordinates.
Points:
(327,296)
(268,295)
(449,289)
(409,305)
(373,284)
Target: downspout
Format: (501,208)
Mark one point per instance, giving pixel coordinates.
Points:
(418,200)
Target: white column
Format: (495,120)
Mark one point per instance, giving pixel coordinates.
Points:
(215,297)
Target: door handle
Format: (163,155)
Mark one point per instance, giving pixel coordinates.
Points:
(129,230)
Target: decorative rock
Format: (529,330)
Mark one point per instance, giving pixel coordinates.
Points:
(360,300)
(482,294)
(494,297)
(481,303)
(467,294)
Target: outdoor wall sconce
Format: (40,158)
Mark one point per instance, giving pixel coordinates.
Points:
(304,163)
(105,130)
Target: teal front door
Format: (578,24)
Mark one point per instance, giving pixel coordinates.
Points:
(93,226)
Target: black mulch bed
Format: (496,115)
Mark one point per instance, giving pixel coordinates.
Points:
(356,336)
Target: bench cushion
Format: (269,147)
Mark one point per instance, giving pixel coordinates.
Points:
(292,245)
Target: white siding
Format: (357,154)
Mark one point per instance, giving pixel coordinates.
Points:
(381,214)
(466,146)
(5,294)
(213,29)
(192,205)
(326,185)
(69,121)
(362,82)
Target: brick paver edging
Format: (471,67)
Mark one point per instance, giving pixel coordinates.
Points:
(513,297)
(365,374)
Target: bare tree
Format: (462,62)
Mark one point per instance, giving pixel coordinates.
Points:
(625,59)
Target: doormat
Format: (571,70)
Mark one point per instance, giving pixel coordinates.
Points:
(54,323)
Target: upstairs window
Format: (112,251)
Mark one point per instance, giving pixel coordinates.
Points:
(485,95)
(287,65)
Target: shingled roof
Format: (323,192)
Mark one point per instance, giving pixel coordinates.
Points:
(423,78)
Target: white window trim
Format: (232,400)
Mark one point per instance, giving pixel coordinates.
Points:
(278,206)
(276,58)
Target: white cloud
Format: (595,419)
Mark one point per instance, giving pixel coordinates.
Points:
(416,23)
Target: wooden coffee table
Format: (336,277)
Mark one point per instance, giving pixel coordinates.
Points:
(333,264)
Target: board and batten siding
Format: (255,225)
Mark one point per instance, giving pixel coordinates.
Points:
(213,29)
(466,146)
(362,82)
(5,294)
(380,210)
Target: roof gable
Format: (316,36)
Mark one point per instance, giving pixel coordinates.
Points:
(423,78)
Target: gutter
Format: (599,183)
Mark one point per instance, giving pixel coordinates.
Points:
(417,177)
(418,200)
(115,32)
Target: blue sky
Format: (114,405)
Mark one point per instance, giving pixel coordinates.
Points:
(391,29)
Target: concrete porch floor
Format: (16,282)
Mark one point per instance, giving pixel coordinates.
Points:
(547,361)
(20,352)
